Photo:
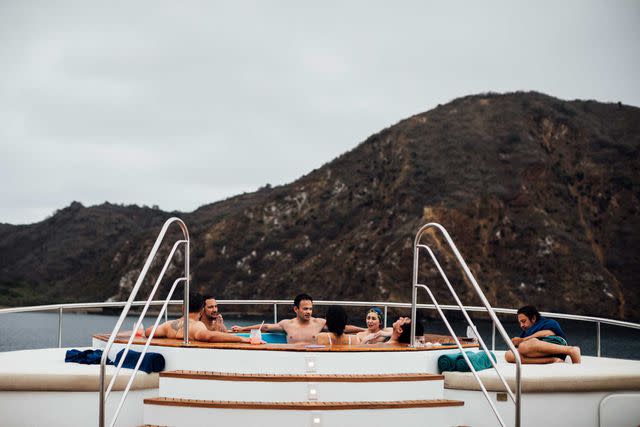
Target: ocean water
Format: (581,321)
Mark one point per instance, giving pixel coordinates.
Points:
(20,331)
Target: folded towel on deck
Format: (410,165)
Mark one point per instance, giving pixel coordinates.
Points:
(447,362)
(479,360)
(86,357)
(151,362)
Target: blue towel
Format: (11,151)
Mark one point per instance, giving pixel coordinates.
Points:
(151,362)
(86,357)
(544,324)
(447,362)
(479,360)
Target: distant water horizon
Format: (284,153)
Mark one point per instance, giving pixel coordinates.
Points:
(20,331)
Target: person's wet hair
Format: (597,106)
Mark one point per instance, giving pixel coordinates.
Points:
(336,319)
(195,302)
(405,336)
(301,297)
(531,312)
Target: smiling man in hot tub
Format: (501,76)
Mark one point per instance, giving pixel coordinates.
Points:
(303,329)
(211,318)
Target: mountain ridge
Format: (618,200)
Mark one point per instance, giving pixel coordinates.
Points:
(540,195)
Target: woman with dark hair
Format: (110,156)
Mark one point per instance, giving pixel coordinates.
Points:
(337,320)
(375,333)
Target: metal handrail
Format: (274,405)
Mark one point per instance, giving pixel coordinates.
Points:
(496,322)
(466,358)
(142,314)
(445,307)
(143,352)
(277,302)
(125,310)
(469,322)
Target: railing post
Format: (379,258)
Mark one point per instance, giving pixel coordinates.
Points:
(385,316)
(275,313)
(598,339)
(60,327)
(186,291)
(414,289)
(493,336)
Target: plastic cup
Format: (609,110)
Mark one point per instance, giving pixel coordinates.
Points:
(471,334)
(255,336)
(140,331)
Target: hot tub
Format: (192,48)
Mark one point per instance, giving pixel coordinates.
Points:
(269,337)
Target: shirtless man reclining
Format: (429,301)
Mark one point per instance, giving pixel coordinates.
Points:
(541,341)
(304,328)
(197,330)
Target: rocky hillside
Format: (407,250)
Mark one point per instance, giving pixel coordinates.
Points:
(540,195)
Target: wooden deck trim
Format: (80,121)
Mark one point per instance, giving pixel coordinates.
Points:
(168,342)
(224,376)
(302,406)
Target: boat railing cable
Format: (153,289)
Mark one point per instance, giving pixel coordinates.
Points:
(104,393)
(487,308)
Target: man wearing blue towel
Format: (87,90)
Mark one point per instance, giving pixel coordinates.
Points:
(542,340)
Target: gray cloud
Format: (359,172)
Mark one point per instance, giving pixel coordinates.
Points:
(182,104)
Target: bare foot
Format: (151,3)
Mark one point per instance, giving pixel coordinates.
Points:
(575,355)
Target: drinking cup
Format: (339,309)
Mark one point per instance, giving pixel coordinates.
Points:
(255,336)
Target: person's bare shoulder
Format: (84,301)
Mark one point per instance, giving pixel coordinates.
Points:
(319,322)
(176,325)
(197,325)
(284,323)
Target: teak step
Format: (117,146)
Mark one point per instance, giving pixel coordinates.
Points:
(224,376)
(311,406)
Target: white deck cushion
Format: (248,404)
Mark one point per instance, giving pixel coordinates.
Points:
(45,370)
(593,374)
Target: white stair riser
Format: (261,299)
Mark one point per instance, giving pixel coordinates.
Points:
(409,417)
(263,391)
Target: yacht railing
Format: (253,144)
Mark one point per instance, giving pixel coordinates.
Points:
(516,398)
(104,393)
(60,309)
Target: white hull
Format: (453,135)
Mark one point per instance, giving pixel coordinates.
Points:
(576,408)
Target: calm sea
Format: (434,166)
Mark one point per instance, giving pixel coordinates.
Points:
(40,330)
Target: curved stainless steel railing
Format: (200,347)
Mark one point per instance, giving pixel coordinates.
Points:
(416,285)
(104,394)
(70,307)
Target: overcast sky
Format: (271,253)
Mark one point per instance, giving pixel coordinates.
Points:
(180,104)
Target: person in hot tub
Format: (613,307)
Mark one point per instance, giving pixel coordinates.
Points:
(304,328)
(211,318)
(336,324)
(374,333)
(197,330)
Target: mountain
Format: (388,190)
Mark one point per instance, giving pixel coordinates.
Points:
(540,195)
